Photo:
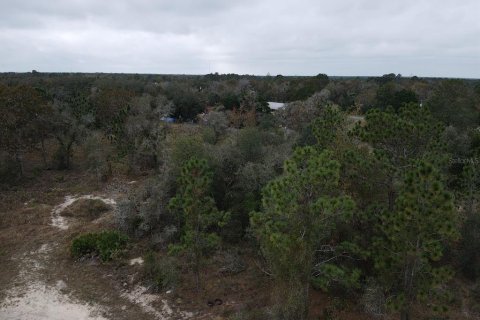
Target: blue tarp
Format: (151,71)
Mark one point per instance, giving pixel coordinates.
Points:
(168,119)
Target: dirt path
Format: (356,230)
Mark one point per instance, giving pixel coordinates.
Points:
(39,280)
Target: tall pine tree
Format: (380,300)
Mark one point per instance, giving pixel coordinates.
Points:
(300,211)
(412,238)
(196,207)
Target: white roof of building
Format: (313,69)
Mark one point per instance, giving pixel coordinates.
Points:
(276,105)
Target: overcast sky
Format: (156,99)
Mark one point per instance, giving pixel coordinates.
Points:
(300,37)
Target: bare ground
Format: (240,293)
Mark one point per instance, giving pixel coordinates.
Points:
(39,279)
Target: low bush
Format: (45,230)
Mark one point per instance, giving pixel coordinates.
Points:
(109,244)
(106,244)
(87,208)
(84,244)
(161,272)
(144,212)
(126,216)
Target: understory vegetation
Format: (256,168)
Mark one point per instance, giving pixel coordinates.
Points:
(106,244)
(363,189)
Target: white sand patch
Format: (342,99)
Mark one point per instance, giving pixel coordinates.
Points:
(44,249)
(145,300)
(32,299)
(166,307)
(33,261)
(135,261)
(61,285)
(38,301)
(60,221)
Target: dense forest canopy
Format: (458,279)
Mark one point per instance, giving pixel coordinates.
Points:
(366,188)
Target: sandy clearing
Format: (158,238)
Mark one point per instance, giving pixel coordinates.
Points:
(32,299)
(35,295)
(38,301)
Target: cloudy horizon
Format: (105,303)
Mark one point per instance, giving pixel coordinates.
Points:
(304,37)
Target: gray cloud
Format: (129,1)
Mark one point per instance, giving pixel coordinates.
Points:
(343,37)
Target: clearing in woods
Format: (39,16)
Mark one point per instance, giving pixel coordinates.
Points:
(39,280)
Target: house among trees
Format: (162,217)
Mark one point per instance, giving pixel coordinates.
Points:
(276,105)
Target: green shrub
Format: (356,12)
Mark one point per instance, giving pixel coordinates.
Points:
(183,148)
(84,244)
(106,244)
(110,243)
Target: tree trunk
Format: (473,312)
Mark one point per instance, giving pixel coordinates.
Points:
(60,161)
(68,154)
(67,158)
(391,194)
(19,160)
(292,301)
(391,199)
(405,314)
(44,154)
(307,300)
(197,271)
(197,253)
(156,165)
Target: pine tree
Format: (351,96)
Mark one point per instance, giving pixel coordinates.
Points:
(412,238)
(300,211)
(470,243)
(197,208)
(398,139)
(329,128)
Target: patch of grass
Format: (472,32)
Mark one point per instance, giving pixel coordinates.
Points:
(106,244)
